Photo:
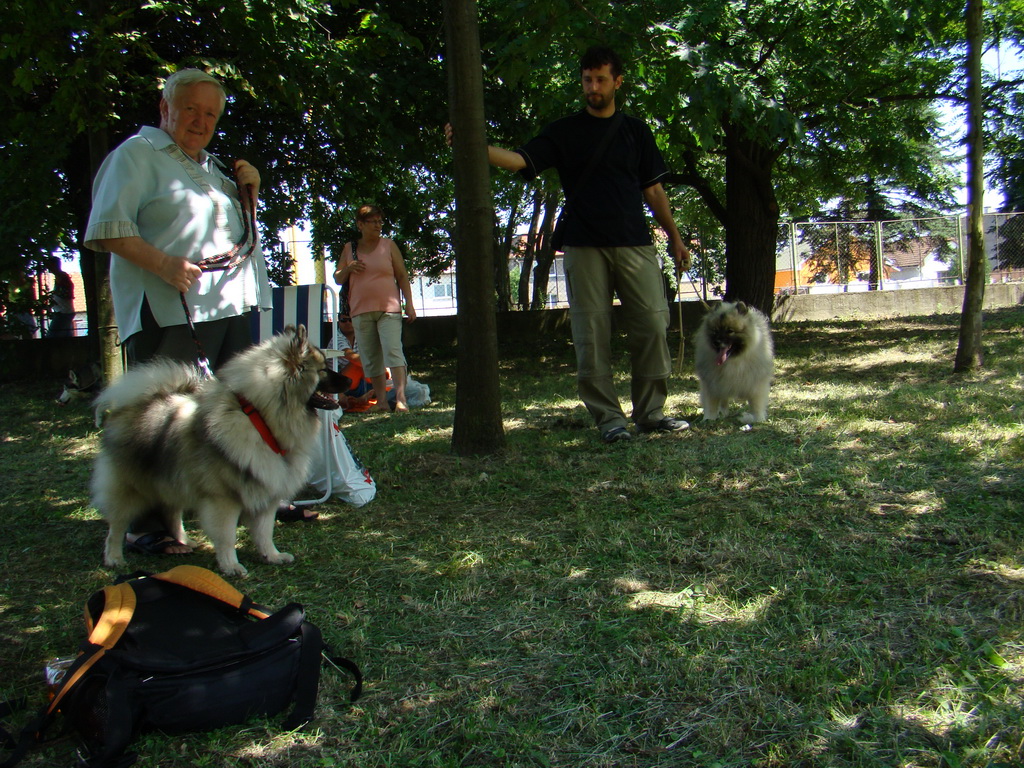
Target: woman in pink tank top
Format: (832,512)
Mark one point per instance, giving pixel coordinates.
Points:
(378,281)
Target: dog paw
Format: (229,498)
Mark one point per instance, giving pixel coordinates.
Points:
(750,418)
(281,558)
(234,569)
(113,562)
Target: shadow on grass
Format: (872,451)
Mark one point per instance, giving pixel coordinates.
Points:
(840,586)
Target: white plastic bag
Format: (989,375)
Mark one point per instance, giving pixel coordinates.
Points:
(350,480)
(417,394)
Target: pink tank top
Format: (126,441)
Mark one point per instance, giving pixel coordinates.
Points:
(375,290)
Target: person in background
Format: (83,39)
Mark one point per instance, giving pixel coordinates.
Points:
(62,302)
(608,246)
(378,281)
(19,308)
(361,396)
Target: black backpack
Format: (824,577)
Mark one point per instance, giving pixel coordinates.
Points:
(182,651)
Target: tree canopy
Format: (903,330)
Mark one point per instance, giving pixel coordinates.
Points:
(763,110)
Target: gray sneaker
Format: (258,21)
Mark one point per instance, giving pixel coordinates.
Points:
(616,434)
(668,424)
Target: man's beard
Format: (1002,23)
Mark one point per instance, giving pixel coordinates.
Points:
(597,101)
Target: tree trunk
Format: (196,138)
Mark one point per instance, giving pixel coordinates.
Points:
(531,249)
(545,254)
(752,225)
(969,353)
(502,252)
(876,212)
(477,425)
(96,277)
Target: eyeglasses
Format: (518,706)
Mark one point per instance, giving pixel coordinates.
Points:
(344,319)
(378,222)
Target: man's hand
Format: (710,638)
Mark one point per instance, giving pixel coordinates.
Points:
(181,274)
(247,175)
(178,273)
(496,156)
(680,255)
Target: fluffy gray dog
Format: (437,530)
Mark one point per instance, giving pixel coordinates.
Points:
(227,448)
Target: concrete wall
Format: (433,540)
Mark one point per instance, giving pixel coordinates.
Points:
(52,358)
(882,304)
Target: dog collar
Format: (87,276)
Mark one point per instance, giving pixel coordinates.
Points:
(261,426)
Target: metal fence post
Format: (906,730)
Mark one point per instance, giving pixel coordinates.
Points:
(960,246)
(879,256)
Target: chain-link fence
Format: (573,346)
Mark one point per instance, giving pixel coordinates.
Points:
(1004,244)
(845,256)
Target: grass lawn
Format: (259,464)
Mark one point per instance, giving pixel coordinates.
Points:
(840,586)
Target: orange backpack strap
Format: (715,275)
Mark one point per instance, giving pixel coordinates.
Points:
(118,609)
(206,582)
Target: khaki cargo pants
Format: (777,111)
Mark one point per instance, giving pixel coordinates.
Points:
(634,274)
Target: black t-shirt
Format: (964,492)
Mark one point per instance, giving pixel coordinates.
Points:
(609,210)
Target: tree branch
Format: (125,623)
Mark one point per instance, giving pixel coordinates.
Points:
(691,177)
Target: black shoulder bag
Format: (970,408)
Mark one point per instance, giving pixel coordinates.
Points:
(343,294)
(558,234)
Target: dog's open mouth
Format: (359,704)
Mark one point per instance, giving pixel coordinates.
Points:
(322,402)
(723,355)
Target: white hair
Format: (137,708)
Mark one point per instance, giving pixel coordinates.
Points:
(188,77)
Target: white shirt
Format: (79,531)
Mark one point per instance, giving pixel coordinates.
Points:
(147,187)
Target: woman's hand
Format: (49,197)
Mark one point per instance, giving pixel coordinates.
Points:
(342,273)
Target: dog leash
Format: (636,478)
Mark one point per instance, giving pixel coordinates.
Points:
(679,309)
(203,361)
(224,261)
(231,258)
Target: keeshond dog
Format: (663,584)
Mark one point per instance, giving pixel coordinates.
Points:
(735,361)
(227,448)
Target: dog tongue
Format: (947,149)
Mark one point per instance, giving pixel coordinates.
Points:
(723,355)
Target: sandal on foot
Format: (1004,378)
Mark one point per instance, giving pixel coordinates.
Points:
(155,543)
(295,513)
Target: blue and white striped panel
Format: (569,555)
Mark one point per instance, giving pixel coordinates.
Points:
(292,305)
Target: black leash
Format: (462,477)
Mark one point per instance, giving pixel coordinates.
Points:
(230,259)
(204,362)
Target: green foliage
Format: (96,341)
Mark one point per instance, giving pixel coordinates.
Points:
(340,104)
(1004,97)
(784,103)
(330,102)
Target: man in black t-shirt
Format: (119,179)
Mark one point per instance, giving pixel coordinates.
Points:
(607,245)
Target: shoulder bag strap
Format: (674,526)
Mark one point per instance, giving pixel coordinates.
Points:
(355,257)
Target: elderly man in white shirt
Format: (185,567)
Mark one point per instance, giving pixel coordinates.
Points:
(162,205)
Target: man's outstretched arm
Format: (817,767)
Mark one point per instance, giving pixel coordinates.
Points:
(496,156)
